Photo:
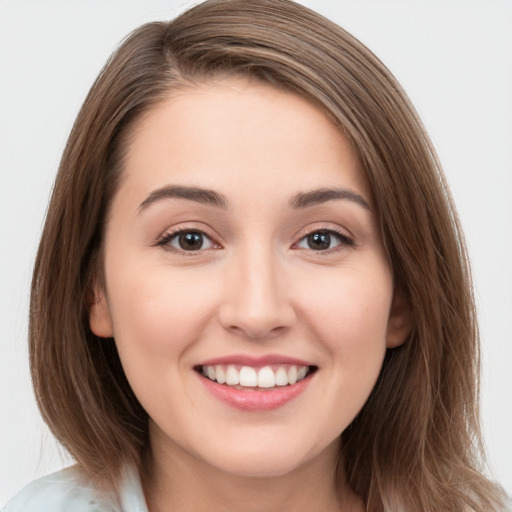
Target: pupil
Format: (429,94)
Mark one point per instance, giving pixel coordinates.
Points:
(319,241)
(191,241)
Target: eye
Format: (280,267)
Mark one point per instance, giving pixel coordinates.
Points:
(187,240)
(324,240)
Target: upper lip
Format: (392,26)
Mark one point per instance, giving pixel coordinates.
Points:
(254,361)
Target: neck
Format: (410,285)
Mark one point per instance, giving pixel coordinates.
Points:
(176,480)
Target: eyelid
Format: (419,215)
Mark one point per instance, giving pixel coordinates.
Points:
(170,233)
(347,239)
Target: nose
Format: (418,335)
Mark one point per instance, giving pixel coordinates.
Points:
(256,302)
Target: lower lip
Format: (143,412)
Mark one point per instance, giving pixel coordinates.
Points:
(252,399)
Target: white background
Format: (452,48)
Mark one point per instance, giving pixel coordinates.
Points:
(454,58)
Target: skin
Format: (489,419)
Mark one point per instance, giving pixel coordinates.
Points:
(257,287)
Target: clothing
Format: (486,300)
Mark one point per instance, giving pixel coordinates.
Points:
(67,491)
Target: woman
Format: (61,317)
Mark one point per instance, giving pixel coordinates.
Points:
(251,289)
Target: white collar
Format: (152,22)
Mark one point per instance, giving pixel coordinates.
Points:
(130,491)
(68,491)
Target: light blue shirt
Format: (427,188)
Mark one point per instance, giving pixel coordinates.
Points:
(67,491)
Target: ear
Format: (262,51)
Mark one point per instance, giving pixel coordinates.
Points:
(100,321)
(399,323)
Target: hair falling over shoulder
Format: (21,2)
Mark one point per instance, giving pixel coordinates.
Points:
(416,445)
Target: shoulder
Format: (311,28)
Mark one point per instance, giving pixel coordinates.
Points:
(64,491)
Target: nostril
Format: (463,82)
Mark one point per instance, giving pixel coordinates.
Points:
(257,332)
(256,314)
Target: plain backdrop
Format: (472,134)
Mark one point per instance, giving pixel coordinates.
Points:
(454,58)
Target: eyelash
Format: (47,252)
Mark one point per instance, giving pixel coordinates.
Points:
(343,239)
(167,237)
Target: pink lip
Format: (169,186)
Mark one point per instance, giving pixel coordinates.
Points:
(254,361)
(253,399)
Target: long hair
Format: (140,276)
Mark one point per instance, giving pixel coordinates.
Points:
(415,445)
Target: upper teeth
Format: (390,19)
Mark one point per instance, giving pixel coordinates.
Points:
(266,377)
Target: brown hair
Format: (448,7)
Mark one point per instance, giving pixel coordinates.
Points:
(415,445)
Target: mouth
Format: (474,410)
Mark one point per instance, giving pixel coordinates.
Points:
(256,378)
(255,384)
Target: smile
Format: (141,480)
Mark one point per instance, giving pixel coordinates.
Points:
(267,377)
(255,384)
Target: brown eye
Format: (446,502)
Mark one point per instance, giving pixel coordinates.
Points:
(324,240)
(188,241)
(319,241)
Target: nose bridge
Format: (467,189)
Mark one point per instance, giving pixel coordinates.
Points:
(257,301)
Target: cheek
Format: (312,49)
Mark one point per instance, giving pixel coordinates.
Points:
(158,318)
(157,313)
(350,308)
(349,315)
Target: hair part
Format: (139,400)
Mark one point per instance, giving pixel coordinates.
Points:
(415,445)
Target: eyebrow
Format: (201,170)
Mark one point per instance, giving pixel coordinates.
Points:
(212,198)
(322,195)
(197,194)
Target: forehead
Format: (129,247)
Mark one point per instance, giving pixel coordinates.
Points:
(225,132)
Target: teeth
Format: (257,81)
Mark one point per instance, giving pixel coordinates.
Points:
(292,375)
(246,376)
(220,375)
(232,376)
(281,377)
(266,378)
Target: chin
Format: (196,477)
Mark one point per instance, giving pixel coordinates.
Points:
(271,460)
(260,465)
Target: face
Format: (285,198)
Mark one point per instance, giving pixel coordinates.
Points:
(246,284)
